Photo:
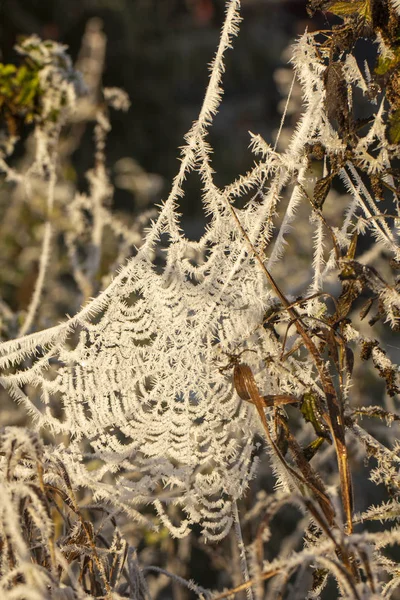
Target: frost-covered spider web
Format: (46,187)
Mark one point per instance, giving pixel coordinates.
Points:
(134,381)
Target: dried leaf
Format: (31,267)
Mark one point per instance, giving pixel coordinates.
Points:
(394,127)
(321,191)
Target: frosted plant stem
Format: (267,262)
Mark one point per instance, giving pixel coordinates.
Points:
(242,550)
(360,190)
(44,260)
(200,591)
(285,111)
(294,200)
(318,261)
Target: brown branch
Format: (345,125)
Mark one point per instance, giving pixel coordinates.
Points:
(336,419)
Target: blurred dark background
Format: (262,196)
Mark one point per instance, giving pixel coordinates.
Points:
(158,51)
